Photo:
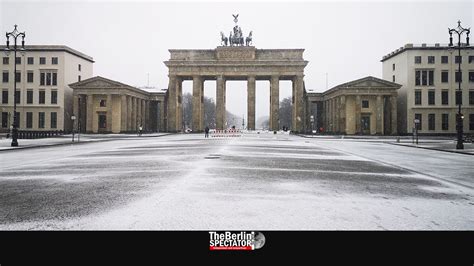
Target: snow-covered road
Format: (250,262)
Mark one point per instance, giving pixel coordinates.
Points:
(256,182)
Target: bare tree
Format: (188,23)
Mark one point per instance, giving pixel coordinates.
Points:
(285,112)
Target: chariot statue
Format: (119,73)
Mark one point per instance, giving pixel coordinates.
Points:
(236,36)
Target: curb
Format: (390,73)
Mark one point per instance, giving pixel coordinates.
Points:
(76,143)
(433,149)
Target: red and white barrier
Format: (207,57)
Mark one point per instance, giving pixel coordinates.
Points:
(226,133)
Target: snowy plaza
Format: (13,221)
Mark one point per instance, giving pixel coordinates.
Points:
(252,182)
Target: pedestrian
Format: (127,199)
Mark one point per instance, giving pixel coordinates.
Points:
(206,131)
(140,130)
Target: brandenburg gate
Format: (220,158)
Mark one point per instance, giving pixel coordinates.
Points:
(234,63)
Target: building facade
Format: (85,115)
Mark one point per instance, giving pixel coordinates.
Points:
(106,106)
(429,78)
(44,99)
(367,106)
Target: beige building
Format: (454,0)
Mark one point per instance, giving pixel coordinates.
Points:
(364,106)
(44,99)
(106,106)
(428,75)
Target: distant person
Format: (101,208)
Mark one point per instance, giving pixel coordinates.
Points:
(206,132)
(140,130)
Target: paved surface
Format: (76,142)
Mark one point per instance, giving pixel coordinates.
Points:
(256,182)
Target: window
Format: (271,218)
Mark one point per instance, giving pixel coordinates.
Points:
(79,67)
(445,121)
(471,97)
(458,59)
(5,77)
(471,59)
(444,59)
(393,67)
(42,60)
(424,77)
(54,120)
(471,121)
(41,120)
(5,96)
(103,103)
(48,78)
(29,77)
(79,78)
(365,104)
(31,60)
(54,97)
(471,76)
(458,77)
(29,120)
(29,96)
(393,78)
(418,97)
(458,97)
(55,78)
(18,77)
(4,119)
(6,60)
(41,97)
(18,60)
(17,96)
(431,97)
(431,121)
(418,117)
(445,97)
(444,76)
(431,59)
(417,59)
(54,60)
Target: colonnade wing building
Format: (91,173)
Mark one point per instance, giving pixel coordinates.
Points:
(107,106)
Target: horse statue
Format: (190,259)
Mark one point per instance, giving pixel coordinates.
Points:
(224,39)
(248,40)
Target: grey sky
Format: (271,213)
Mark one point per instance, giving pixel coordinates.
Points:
(129,39)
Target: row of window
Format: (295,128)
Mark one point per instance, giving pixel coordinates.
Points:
(47,78)
(444,121)
(31,60)
(444,97)
(7,119)
(426,77)
(30,96)
(431,59)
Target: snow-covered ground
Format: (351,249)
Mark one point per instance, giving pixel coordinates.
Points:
(254,182)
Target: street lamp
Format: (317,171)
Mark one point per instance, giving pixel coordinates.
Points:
(459,117)
(15,34)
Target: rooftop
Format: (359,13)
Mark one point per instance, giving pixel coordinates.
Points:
(423,46)
(54,48)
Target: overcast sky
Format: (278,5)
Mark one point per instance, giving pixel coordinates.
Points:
(128,40)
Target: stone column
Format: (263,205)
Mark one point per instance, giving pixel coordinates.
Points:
(129,113)
(342,115)
(172,104)
(109,104)
(337,107)
(90,113)
(220,103)
(139,112)
(123,114)
(162,115)
(358,114)
(143,114)
(298,87)
(251,103)
(198,119)
(75,106)
(179,107)
(379,116)
(134,114)
(274,102)
(393,114)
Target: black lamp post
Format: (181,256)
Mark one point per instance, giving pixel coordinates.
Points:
(459,117)
(15,34)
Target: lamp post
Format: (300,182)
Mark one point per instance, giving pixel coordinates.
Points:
(459,117)
(15,34)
